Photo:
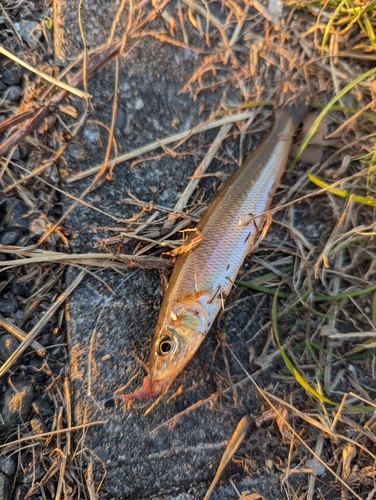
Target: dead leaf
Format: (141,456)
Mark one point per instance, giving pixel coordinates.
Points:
(282,424)
(348,453)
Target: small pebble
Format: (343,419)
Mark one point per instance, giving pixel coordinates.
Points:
(23,150)
(13,93)
(77,152)
(121,119)
(20,493)
(8,344)
(16,155)
(32,472)
(139,104)
(12,76)
(20,288)
(29,31)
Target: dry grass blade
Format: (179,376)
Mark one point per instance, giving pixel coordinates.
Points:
(203,127)
(186,247)
(42,322)
(7,447)
(97,61)
(94,259)
(51,79)
(266,396)
(200,170)
(234,443)
(21,335)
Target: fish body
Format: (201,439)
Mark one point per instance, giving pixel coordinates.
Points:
(202,278)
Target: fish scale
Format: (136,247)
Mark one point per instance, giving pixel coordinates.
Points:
(230,227)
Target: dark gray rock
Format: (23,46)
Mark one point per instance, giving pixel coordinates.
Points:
(29,31)
(43,406)
(8,344)
(20,493)
(77,152)
(8,464)
(18,214)
(12,76)
(121,120)
(16,155)
(16,404)
(31,472)
(20,288)
(23,150)
(9,237)
(7,305)
(4,487)
(13,93)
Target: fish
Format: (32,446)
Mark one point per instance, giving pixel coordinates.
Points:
(203,277)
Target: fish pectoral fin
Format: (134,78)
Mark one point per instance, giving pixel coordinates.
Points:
(187,247)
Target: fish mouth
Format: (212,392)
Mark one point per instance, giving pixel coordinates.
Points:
(150,389)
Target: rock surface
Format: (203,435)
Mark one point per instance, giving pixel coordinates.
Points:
(109,331)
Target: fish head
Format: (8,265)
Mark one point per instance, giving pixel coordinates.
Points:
(175,342)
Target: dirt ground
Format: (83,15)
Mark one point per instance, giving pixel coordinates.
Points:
(175,74)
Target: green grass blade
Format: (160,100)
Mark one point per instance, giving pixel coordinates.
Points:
(260,280)
(309,348)
(256,283)
(342,193)
(294,372)
(323,113)
(245,105)
(322,349)
(264,289)
(357,293)
(329,25)
(370,115)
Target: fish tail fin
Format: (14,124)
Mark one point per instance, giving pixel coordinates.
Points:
(291,104)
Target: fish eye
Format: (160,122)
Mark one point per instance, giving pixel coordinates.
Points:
(164,345)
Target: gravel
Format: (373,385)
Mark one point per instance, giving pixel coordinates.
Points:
(13,93)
